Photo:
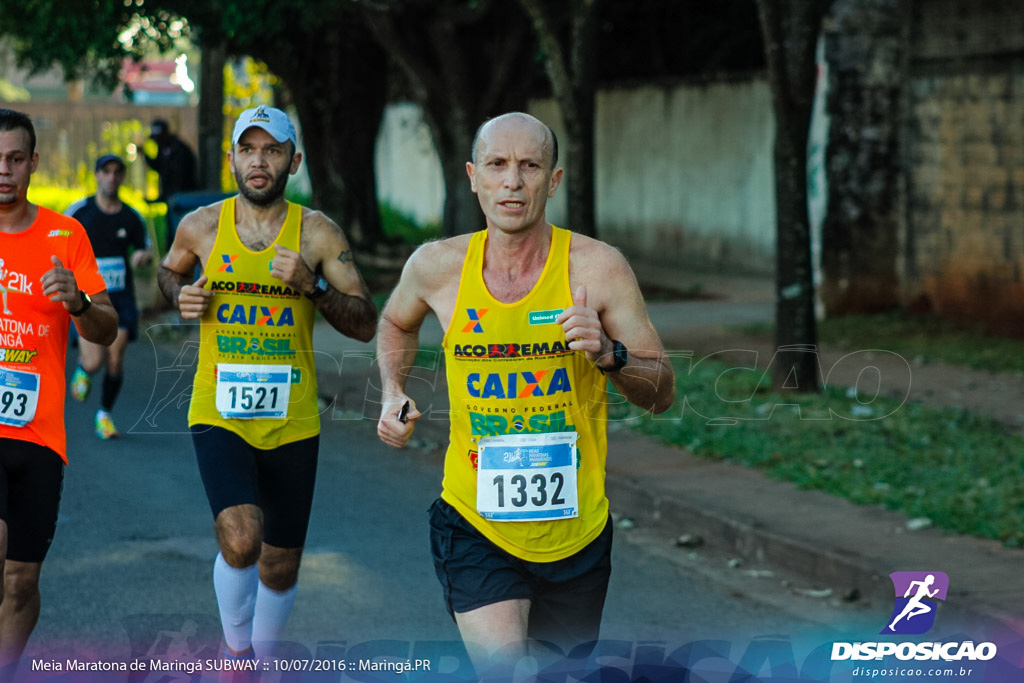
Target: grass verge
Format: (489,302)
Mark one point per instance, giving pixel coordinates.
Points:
(959,470)
(926,338)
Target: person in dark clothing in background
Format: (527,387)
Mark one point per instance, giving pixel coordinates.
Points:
(120,241)
(176,164)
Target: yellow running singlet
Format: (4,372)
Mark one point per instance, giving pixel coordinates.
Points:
(256,374)
(510,372)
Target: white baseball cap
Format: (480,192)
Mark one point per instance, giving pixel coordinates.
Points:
(272,120)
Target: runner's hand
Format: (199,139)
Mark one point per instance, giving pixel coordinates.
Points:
(60,286)
(583,329)
(390,429)
(193,299)
(289,268)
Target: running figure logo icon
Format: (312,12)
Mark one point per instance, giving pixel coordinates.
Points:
(916,595)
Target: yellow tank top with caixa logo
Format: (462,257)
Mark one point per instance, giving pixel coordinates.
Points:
(255,374)
(526,459)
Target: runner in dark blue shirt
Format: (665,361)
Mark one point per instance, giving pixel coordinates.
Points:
(120,241)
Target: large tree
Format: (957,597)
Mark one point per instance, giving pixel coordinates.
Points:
(319,48)
(337,78)
(791,29)
(82,41)
(866,48)
(568,35)
(466,61)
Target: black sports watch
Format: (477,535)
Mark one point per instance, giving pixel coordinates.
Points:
(320,286)
(620,356)
(86,303)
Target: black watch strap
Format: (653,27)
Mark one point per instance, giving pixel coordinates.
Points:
(620,356)
(86,303)
(320,286)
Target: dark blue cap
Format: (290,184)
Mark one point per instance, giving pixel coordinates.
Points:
(107,158)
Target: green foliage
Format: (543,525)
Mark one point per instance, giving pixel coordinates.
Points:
(12,93)
(295,196)
(957,469)
(923,339)
(401,225)
(60,198)
(926,338)
(87,39)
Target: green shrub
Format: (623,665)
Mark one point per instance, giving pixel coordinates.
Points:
(402,226)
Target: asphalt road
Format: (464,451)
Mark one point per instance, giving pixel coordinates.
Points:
(130,568)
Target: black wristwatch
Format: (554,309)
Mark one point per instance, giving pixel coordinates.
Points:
(620,356)
(86,303)
(320,286)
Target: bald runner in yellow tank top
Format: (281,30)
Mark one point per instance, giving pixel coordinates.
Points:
(511,373)
(256,375)
(533,314)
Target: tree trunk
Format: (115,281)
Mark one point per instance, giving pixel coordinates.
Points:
(211,114)
(579,177)
(338,79)
(462,209)
(572,73)
(465,64)
(452,132)
(790,29)
(866,49)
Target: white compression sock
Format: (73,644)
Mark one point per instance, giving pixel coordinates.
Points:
(236,598)
(272,610)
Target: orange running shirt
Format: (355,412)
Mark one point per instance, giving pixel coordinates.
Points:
(33,329)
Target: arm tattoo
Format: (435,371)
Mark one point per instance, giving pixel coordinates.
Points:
(353,316)
(346,256)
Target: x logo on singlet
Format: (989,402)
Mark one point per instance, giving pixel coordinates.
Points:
(474,320)
(226,267)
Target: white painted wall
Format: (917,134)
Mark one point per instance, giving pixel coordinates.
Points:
(684,173)
(408,170)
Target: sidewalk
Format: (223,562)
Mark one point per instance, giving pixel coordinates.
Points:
(827,541)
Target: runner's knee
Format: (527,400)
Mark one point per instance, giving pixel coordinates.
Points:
(279,568)
(20,587)
(240,536)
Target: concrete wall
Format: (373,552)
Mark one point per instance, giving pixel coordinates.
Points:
(965,163)
(684,173)
(408,170)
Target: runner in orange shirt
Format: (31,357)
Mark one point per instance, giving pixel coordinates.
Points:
(50,277)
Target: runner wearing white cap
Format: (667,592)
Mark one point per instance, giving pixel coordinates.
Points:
(268,266)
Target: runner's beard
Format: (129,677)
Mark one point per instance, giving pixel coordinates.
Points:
(267,195)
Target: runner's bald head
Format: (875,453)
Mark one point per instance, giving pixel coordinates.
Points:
(483,133)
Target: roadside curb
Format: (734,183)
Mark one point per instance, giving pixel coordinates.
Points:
(825,541)
(745,540)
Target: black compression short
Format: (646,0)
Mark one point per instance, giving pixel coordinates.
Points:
(566,596)
(31,481)
(279,481)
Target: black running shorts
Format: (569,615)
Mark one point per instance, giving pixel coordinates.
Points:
(566,596)
(279,481)
(31,480)
(127,313)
